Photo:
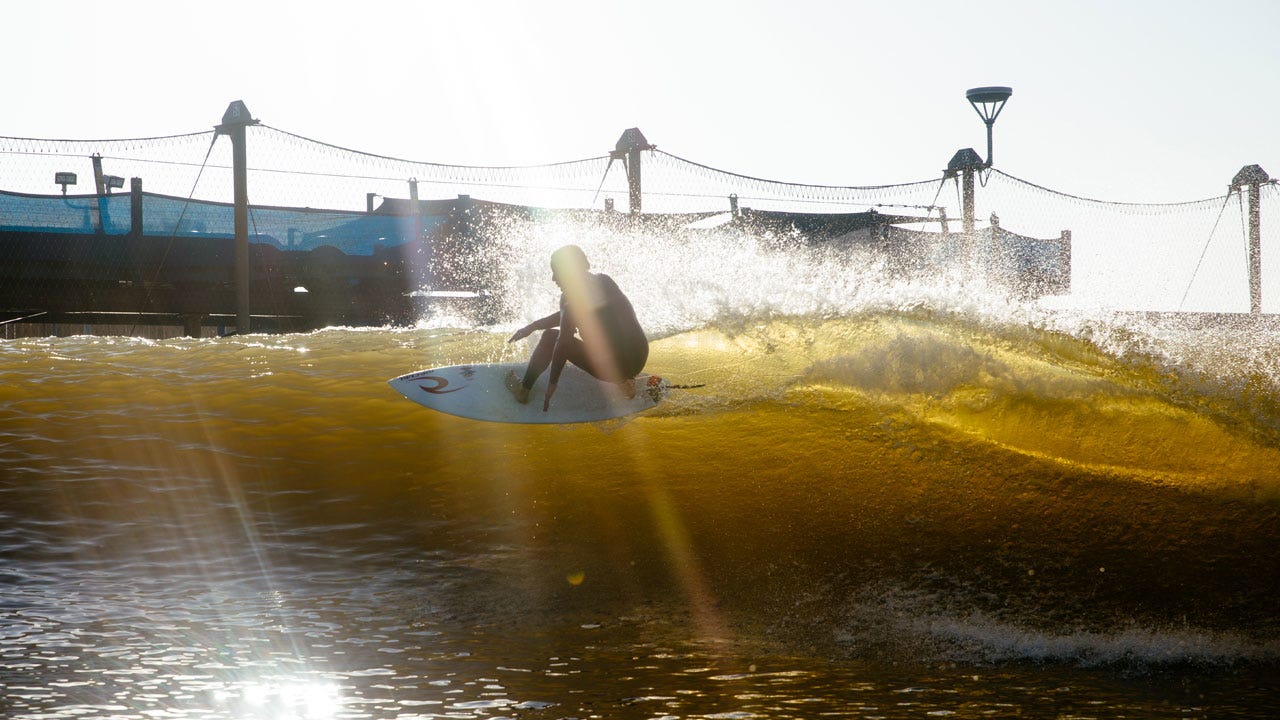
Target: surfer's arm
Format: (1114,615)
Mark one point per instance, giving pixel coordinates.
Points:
(545,323)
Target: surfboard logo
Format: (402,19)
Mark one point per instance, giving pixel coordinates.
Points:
(438,385)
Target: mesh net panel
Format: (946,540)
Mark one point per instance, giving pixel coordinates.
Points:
(306,194)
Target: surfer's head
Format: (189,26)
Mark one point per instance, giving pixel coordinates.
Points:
(569,261)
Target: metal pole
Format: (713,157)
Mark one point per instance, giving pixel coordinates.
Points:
(135,235)
(967,182)
(1255,250)
(965,163)
(241,183)
(970,240)
(135,207)
(629,147)
(1253,176)
(1064,259)
(97,174)
(415,209)
(633,180)
(990,124)
(234,121)
(101,188)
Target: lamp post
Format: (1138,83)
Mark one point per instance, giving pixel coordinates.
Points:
(988,102)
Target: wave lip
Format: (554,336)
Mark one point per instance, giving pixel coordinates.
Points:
(1049,395)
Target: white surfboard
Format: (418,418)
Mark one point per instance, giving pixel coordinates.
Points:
(479,392)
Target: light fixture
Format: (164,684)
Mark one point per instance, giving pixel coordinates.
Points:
(64,179)
(988,102)
(113,182)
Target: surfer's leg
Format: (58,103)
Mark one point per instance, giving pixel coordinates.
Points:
(575,351)
(512,381)
(540,360)
(630,362)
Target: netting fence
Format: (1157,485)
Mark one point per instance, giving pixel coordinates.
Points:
(1172,256)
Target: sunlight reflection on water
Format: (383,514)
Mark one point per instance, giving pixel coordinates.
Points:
(282,700)
(177,541)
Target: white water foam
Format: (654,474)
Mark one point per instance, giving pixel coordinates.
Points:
(924,627)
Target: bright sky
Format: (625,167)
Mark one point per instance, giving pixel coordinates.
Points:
(1160,100)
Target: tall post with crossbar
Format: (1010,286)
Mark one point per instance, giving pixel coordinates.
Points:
(1253,177)
(234,122)
(964,164)
(628,149)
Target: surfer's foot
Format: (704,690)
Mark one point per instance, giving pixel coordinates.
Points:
(628,388)
(517,387)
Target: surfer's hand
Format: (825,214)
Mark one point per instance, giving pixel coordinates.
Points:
(522,332)
(546,402)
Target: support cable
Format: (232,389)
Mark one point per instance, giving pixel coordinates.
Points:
(182,215)
(602,179)
(164,257)
(1104,202)
(1205,249)
(423,163)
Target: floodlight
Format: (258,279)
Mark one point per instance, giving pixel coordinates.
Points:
(988,102)
(64,179)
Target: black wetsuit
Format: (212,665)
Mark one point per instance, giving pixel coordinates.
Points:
(613,345)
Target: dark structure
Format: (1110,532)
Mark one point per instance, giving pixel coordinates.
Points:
(1028,267)
(142,259)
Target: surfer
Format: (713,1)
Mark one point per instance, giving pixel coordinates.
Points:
(596,329)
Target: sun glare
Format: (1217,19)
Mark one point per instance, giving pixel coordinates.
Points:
(285,700)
